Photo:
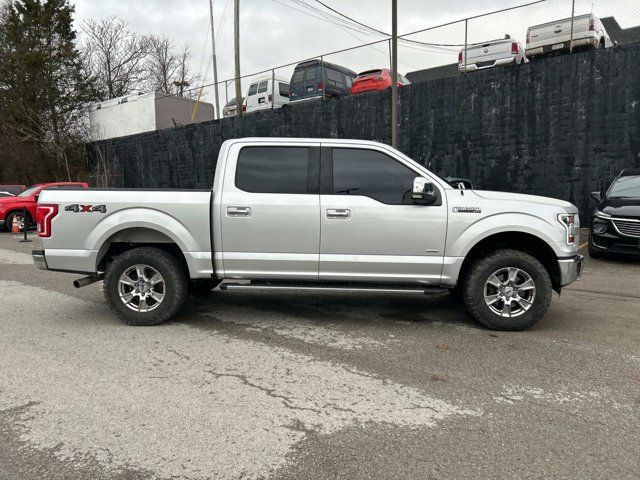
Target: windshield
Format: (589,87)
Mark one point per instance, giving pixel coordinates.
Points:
(626,187)
(28,192)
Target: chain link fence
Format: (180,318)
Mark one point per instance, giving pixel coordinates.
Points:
(516,33)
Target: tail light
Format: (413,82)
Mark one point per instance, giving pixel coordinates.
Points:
(320,86)
(44,215)
(515,48)
(460,57)
(592,25)
(270,98)
(244,108)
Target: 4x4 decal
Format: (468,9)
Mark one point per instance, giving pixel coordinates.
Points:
(86,208)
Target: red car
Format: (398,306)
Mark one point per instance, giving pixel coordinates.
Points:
(11,207)
(375,80)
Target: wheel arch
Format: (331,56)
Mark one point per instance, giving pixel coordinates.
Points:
(129,238)
(515,240)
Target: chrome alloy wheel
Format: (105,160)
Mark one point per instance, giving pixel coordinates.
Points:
(141,288)
(509,292)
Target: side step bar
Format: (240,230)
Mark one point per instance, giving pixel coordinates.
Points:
(332,287)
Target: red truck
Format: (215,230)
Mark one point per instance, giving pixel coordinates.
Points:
(13,207)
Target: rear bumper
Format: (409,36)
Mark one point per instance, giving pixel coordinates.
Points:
(547,49)
(570,269)
(39,259)
(472,67)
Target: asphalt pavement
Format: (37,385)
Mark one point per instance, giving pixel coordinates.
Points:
(316,386)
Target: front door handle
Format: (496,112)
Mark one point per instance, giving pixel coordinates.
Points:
(238,212)
(343,213)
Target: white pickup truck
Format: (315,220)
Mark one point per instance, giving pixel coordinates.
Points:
(314,214)
(584,32)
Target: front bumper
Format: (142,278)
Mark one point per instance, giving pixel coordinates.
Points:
(39,259)
(570,269)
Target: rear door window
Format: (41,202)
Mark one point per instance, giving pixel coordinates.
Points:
(298,76)
(253,89)
(262,87)
(273,169)
(284,89)
(310,74)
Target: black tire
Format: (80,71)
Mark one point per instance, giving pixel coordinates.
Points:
(175,285)
(8,224)
(483,268)
(203,287)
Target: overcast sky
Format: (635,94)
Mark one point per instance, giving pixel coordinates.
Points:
(276,32)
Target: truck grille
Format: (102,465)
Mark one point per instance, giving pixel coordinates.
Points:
(628,227)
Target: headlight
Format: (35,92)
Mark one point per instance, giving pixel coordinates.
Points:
(602,215)
(571,224)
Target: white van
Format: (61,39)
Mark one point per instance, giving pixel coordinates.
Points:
(261,94)
(555,37)
(505,51)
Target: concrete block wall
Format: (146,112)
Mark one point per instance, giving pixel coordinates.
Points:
(551,127)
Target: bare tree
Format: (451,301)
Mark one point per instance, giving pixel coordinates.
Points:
(116,56)
(169,71)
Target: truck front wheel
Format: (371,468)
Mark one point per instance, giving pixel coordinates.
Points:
(507,290)
(145,286)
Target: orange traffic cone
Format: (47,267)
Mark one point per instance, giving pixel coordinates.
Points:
(15,227)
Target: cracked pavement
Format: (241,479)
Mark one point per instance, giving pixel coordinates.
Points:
(300,386)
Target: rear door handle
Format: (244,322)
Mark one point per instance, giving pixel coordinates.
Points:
(238,212)
(337,213)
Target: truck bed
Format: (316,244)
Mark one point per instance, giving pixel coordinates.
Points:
(95,217)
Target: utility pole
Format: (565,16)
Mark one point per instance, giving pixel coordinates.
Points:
(236,35)
(394,74)
(573,15)
(215,63)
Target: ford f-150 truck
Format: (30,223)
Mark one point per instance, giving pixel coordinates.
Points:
(314,214)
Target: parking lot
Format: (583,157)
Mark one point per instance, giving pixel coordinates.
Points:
(301,386)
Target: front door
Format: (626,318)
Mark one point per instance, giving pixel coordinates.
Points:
(269,213)
(370,229)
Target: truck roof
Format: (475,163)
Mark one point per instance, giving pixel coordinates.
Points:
(303,140)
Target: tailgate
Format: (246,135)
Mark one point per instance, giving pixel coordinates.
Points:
(488,52)
(559,32)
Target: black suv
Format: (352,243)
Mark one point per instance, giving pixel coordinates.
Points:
(314,79)
(615,222)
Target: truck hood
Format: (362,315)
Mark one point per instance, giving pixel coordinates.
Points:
(519,197)
(621,207)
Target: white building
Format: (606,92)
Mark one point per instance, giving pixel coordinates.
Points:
(143,113)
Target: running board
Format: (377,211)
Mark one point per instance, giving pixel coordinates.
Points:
(331,287)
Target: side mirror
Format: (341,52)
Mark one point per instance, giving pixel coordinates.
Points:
(423,192)
(596,196)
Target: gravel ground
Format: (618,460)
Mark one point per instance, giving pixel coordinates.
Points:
(299,386)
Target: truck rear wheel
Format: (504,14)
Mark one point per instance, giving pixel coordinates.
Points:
(145,286)
(508,290)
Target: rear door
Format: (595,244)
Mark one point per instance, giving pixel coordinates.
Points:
(270,210)
(304,82)
(252,97)
(370,229)
(263,94)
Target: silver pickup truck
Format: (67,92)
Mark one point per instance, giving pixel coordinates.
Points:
(314,214)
